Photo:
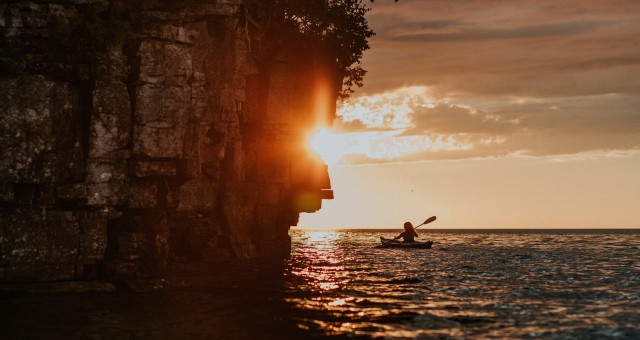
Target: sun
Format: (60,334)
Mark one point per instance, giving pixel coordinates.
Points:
(327,144)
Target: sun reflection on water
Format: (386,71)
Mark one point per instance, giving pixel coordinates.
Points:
(321,260)
(487,286)
(320,238)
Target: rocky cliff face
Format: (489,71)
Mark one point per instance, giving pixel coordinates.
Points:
(133,135)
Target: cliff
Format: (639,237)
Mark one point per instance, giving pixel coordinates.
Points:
(138,134)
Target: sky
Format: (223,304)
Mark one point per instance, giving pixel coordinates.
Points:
(490,114)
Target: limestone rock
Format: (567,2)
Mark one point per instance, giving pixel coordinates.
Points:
(197,195)
(153,168)
(175,141)
(39,139)
(110,128)
(43,247)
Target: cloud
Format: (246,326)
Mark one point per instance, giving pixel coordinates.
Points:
(385,111)
(412,111)
(452,79)
(523,32)
(445,118)
(520,47)
(410,125)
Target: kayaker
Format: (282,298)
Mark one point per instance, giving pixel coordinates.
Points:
(408,234)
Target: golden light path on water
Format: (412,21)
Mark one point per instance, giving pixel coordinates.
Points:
(474,284)
(329,268)
(322,268)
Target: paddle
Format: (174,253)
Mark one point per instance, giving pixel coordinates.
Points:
(427,221)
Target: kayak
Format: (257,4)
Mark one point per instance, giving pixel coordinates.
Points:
(391,243)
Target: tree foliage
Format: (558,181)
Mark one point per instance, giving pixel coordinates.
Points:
(339,26)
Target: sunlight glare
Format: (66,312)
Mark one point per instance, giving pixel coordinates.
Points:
(327,144)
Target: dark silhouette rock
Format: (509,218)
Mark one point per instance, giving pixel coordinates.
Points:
(137,134)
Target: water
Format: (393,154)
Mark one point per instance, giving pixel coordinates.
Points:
(549,284)
(471,284)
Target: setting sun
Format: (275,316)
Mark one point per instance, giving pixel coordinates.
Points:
(327,144)
(391,126)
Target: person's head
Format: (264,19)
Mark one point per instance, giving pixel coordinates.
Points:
(408,226)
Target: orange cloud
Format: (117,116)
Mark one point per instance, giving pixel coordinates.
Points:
(409,125)
(497,78)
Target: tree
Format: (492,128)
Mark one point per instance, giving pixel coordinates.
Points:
(339,26)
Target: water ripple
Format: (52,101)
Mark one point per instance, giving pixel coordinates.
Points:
(506,285)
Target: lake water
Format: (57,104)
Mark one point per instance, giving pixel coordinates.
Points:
(471,284)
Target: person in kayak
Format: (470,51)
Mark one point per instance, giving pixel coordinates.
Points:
(408,234)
